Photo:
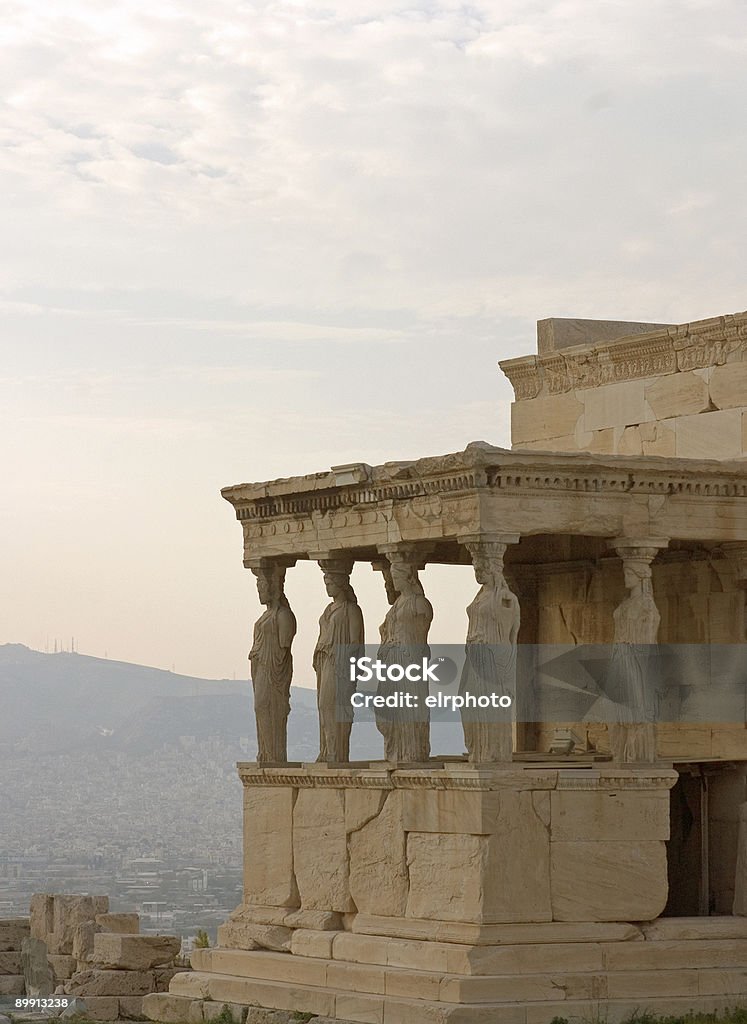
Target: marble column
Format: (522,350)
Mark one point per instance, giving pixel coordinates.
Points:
(340,627)
(490,667)
(272,663)
(631,678)
(404,641)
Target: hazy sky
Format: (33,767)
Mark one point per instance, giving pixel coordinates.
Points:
(248,240)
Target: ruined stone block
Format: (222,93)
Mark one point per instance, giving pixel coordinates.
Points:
(123,924)
(12,985)
(110,983)
(37,973)
(68,913)
(102,1007)
(133,952)
(83,941)
(131,1008)
(10,962)
(12,933)
(41,911)
(166,1008)
(63,967)
(248,935)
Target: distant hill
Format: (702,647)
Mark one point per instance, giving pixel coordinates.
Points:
(73,703)
(69,701)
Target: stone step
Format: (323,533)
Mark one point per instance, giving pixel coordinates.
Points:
(452,958)
(693,928)
(275,995)
(236,976)
(603,956)
(524,961)
(509,934)
(372,1009)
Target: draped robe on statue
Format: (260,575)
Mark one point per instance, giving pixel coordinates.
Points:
(341,624)
(272,670)
(404,635)
(490,667)
(633,733)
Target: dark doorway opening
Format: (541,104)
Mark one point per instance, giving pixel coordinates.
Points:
(702,848)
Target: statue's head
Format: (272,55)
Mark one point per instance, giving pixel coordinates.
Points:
(337,584)
(404,576)
(637,574)
(270,580)
(337,578)
(487,560)
(487,572)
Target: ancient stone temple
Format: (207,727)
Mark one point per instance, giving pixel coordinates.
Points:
(586,853)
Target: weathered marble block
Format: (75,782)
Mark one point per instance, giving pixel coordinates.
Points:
(320,854)
(268,846)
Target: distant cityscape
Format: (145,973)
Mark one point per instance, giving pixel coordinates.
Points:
(120,780)
(148,810)
(159,833)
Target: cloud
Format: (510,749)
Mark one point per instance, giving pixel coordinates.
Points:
(372,151)
(248,238)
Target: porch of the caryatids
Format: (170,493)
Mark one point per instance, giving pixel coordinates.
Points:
(404,641)
(489,669)
(272,662)
(340,629)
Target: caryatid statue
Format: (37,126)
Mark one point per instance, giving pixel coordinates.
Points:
(272,665)
(631,682)
(404,641)
(490,664)
(341,626)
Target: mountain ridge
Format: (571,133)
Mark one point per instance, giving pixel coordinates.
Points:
(68,700)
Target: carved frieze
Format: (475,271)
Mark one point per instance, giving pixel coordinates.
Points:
(685,347)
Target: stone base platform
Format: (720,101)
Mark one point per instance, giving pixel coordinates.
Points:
(459,894)
(525,975)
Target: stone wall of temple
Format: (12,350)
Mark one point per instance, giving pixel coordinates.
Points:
(700,602)
(697,594)
(676,391)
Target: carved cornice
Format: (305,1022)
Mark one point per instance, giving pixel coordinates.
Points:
(287,506)
(683,347)
(482,778)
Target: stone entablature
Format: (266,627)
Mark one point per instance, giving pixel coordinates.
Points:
(682,347)
(680,391)
(485,489)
